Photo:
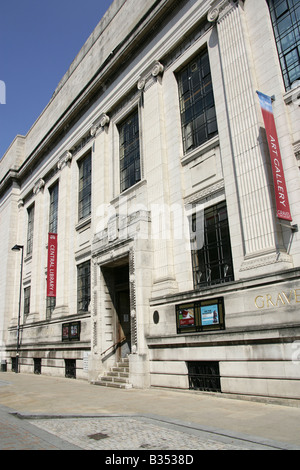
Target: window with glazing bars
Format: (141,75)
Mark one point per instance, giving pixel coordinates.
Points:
(83,286)
(212,258)
(85,187)
(285,15)
(50,306)
(130,167)
(53,212)
(197,106)
(30,224)
(27,292)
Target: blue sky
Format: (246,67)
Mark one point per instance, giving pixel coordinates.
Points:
(38,41)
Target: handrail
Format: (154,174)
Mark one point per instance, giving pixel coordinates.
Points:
(113,345)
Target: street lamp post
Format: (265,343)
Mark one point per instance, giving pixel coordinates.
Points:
(19,248)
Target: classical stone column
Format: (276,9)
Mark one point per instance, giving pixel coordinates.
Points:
(261,232)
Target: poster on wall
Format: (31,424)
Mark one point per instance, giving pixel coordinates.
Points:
(71,331)
(74,330)
(65,332)
(201,315)
(209,314)
(186,317)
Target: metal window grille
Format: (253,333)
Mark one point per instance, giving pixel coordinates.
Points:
(85,187)
(204,376)
(70,368)
(285,16)
(83,286)
(37,365)
(197,107)
(212,262)
(14,364)
(130,167)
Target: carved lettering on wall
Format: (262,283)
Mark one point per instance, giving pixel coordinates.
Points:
(279,299)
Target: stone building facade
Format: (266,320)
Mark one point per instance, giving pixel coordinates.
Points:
(151,167)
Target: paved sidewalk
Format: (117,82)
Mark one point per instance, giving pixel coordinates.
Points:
(17,434)
(49,413)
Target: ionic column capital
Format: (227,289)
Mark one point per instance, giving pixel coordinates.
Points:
(64,159)
(38,186)
(218,8)
(100,123)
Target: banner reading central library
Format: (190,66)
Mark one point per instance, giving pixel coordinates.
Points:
(52,265)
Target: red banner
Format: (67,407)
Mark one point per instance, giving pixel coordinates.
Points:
(282,201)
(52,263)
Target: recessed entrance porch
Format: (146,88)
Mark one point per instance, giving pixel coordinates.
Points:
(116,276)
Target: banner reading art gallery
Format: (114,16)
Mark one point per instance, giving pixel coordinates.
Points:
(52,264)
(282,202)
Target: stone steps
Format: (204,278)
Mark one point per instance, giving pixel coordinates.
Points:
(117,377)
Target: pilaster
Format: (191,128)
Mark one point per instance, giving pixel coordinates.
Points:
(63,236)
(37,295)
(261,231)
(164,281)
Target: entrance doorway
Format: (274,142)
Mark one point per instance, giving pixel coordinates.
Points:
(117,281)
(124,324)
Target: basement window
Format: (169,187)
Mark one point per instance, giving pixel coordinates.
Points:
(204,376)
(70,368)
